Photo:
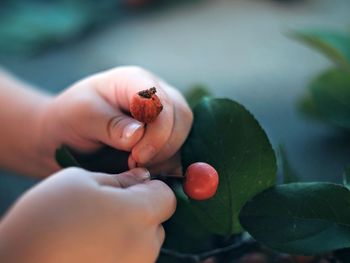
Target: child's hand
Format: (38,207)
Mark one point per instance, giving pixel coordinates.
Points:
(78,216)
(94,112)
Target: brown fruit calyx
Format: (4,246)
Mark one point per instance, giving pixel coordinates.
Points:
(147,93)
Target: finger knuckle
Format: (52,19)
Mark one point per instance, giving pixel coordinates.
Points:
(135,69)
(113,124)
(187,114)
(72,170)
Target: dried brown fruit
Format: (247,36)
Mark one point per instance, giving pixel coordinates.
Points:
(145,105)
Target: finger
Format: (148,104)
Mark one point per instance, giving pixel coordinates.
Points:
(169,167)
(182,122)
(124,83)
(119,85)
(100,121)
(123,180)
(155,137)
(154,200)
(131,162)
(157,133)
(123,132)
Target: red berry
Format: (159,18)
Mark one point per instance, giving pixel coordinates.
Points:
(145,105)
(201,181)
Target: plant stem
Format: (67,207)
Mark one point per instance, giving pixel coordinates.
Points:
(182,256)
(239,249)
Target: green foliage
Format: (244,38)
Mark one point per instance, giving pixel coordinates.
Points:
(196,94)
(197,235)
(184,233)
(346,177)
(334,45)
(227,136)
(29,26)
(300,218)
(331,95)
(328,95)
(65,158)
(308,107)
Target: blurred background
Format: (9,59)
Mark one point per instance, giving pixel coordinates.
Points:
(239,49)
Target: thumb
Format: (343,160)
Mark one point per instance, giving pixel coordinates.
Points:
(123,180)
(122,131)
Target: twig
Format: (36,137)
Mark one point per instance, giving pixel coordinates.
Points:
(183,256)
(239,248)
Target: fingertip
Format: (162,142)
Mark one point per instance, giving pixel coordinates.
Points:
(156,137)
(124,180)
(141,173)
(131,162)
(166,195)
(144,154)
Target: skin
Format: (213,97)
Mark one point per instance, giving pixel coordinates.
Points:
(87,115)
(79,216)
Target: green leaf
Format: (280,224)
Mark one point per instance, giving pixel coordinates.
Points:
(65,158)
(196,94)
(334,45)
(193,234)
(300,218)
(183,231)
(346,177)
(331,95)
(307,106)
(227,136)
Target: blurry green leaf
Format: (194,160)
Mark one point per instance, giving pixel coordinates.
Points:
(331,95)
(346,177)
(300,218)
(184,233)
(289,175)
(29,26)
(335,45)
(64,157)
(227,136)
(307,106)
(196,93)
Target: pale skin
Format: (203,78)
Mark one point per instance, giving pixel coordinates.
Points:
(79,216)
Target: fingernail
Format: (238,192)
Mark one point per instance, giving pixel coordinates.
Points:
(141,173)
(146,153)
(130,129)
